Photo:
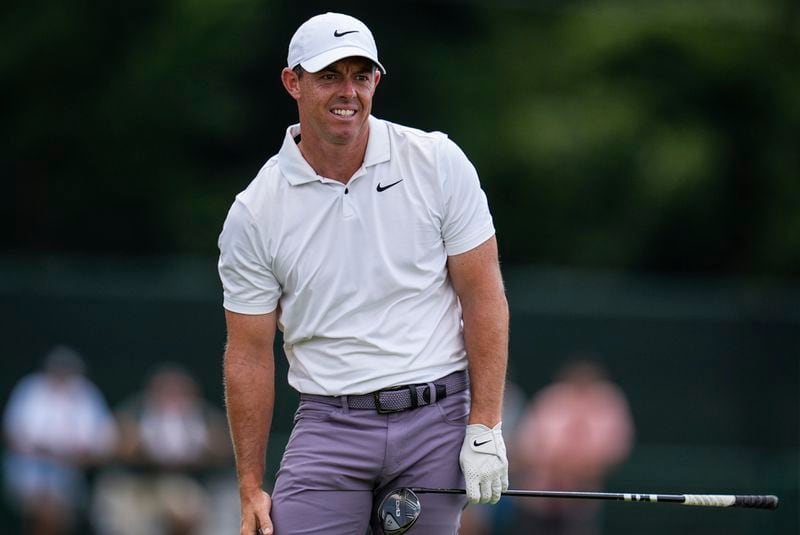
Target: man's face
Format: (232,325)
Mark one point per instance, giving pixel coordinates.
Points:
(336,101)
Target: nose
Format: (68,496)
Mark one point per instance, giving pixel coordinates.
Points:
(347,89)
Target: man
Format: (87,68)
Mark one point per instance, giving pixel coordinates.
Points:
(573,433)
(170,439)
(370,245)
(57,425)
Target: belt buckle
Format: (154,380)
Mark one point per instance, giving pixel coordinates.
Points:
(379,408)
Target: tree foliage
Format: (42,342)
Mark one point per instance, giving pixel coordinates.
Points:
(619,134)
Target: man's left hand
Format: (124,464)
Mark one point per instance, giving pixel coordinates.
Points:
(484,463)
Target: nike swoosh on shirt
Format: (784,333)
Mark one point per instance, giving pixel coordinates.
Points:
(479,444)
(384,188)
(337,33)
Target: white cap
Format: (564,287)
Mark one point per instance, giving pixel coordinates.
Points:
(325,39)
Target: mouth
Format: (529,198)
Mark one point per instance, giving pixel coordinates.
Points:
(343,113)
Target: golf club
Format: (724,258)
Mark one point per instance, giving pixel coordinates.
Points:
(400,509)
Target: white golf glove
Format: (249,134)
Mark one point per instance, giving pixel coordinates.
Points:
(484,463)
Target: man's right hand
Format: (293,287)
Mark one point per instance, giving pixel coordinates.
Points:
(256,505)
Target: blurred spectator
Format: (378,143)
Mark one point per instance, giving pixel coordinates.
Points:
(170,438)
(56,425)
(570,437)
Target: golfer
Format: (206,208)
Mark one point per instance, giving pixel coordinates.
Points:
(371,247)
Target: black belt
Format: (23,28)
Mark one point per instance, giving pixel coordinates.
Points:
(399,398)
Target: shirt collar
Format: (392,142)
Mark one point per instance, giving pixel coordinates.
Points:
(297,170)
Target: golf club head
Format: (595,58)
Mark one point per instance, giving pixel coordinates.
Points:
(398,511)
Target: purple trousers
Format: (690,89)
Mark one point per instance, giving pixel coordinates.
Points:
(339,463)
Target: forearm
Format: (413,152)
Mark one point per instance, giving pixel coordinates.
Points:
(249,401)
(484,308)
(485,315)
(478,283)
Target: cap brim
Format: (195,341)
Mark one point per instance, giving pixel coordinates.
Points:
(319,62)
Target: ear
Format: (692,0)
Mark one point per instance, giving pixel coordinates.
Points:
(291,82)
(377,80)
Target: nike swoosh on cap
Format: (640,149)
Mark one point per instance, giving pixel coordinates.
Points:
(337,33)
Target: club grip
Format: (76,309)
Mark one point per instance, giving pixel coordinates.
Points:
(757,502)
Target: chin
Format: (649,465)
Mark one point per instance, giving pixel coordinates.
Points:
(343,136)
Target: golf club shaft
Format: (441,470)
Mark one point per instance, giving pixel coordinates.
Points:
(707,500)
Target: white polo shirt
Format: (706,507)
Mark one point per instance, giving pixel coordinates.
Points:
(358,270)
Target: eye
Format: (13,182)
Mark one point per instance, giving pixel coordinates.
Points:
(328,76)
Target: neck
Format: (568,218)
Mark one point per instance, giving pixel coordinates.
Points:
(335,161)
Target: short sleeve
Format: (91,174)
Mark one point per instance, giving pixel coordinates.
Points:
(467,221)
(249,285)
